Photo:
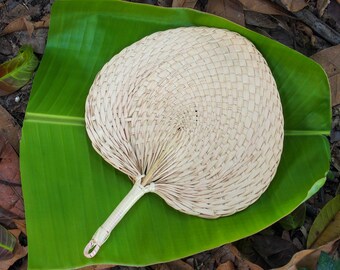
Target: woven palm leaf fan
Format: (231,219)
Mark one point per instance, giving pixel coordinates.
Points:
(192,114)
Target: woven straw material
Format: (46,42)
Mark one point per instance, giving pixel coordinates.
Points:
(192,114)
(197,111)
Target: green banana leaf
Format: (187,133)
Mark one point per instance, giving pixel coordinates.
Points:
(69,190)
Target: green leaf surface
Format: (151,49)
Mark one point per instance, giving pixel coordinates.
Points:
(7,243)
(72,190)
(16,72)
(295,219)
(326,226)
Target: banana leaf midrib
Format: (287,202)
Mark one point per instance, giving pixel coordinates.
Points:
(80,121)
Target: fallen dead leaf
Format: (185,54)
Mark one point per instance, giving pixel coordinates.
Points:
(9,128)
(329,59)
(230,253)
(184,3)
(21,225)
(307,31)
(242,263)
(263,32)
(263,6)
(332,13)
(229,9)
(330,232)
(19,252)
(15,232)
(43,23)
(6,218)
(260,20)
(326,226)
(20,11)
(38,42)
(226,266)
(283,23)
(164,3)
(24,264)
(10,185)
(19,24)
(321,6)
(18,71)
(294,5)
(308,259)
(25,24)
(273,249)
(178,265)
(29,26)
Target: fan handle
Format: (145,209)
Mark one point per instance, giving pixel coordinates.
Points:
(103,232)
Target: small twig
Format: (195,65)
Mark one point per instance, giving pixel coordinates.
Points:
(8,183)
(316,24)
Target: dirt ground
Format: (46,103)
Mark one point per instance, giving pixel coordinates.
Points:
(306,27)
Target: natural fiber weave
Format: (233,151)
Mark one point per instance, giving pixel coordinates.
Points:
(196,112)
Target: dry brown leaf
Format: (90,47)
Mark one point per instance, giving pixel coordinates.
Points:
(10,185)
(24,264)
(19,24)
(226,266)
(308,31)
(260,20)
(309,258)
(9,128)
(282,22)
(6,218)
(263,6)
(274,250)
(329,233)
(15,232)
(178,265)
(321,6)
(329,59)
(43,23)
(161,266)
(29,26)
(229,9)
(184,3)
(230,253)
(164,3)
(19,252)
(21,10)
(21,225)
(243,263)
(294,5)
(25,24)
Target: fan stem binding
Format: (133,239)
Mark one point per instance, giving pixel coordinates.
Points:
(103,232)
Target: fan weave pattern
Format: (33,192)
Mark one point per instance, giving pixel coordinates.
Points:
(196,112)
(198,108)
(192,114)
